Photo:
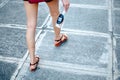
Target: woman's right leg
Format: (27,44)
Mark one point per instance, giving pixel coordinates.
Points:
(31,12)
(54,11)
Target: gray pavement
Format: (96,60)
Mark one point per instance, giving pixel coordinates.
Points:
(91,53)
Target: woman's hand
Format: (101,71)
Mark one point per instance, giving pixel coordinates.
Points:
(66,4)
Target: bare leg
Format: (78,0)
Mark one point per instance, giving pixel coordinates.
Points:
(31,12)
(54,11)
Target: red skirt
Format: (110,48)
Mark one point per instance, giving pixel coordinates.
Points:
(37,1)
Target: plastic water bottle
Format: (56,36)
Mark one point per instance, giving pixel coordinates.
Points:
(60,20)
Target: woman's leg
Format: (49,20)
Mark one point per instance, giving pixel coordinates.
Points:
(31,12)
(54,11)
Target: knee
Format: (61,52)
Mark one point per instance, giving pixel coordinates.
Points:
(54,15)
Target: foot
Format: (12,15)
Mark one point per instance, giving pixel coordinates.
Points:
(62,39)
(33,66)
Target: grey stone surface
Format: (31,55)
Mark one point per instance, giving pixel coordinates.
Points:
(91,2)
(87,19)
(116,3)
(1,1)
(14,13)
(51,74)
(43,12)
(75,50)
(7,70)
(89,53)
(117,50)
(12,42)
(118,78)
(116,21)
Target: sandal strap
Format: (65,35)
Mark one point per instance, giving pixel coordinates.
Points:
(33,64)
(36,62)
(65,36)
(60,38)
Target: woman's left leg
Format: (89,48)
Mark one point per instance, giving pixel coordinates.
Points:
(31,13)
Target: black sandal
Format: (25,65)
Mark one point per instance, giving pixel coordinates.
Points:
(35,64)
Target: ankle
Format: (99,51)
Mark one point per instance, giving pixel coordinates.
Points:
(57,37)
(32,61)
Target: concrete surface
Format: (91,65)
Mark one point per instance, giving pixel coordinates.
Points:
(91,52)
